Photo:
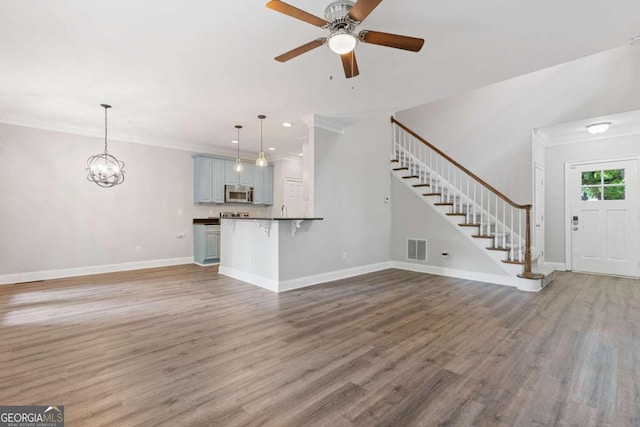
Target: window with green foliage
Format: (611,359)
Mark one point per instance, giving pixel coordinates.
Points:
(603,185)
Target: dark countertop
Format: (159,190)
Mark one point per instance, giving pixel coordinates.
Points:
(207,221)
(278,218)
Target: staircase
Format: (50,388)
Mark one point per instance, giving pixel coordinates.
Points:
(491,221)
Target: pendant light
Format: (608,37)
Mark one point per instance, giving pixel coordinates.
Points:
(261,161)
(237,167)
(104,169)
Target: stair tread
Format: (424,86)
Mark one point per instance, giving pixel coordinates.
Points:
(483,236)
(456,214)
(491,248)
(410,176)
(510,261)
(443,204)
(395,161)
(432,194)
(469,225)
(401,169)
(421,185)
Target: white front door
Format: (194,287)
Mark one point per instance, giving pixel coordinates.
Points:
(604,217)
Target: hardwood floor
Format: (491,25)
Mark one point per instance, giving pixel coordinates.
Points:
(184,346)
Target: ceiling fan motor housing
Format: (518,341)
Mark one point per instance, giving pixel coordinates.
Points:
(337,14)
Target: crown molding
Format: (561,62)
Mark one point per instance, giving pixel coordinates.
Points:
(129,139)
(315,121)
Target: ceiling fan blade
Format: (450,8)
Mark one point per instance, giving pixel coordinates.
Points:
(300,50)
(362,9)
(294,12)
(391,40)
(350,64)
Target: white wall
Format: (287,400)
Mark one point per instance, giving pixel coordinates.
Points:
(412,218)
(489,129)
(555,158)
(52,218)
(351,179)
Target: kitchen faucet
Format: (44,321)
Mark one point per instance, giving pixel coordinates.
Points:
(283,211)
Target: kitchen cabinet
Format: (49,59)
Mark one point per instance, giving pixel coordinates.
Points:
(211,174)
(246,176)
(206,241)
(263,187)
(208,180)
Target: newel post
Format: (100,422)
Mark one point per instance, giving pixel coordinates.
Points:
(527,274)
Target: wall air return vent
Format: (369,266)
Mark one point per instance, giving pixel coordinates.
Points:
(416,250)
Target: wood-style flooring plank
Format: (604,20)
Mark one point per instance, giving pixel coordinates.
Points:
(184,345)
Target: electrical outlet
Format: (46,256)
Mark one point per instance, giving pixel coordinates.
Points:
(386,199)
(138,249)
(180,235)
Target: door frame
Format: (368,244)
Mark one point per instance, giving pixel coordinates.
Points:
(539,245)
(568,243)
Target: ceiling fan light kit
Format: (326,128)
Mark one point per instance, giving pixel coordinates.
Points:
(341,19)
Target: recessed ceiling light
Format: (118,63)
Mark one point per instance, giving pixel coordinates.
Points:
(300,154)
(271,149)
(597,128)
(287,124)
(635,40)
(234,142)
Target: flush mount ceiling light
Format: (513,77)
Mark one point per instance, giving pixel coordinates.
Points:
(342,42)
(104,169)
(261,161)
(287,124)
(596,128)
(271,148)
(237,167)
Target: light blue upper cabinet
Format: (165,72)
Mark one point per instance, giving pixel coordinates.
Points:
(258,186)
(247,177)
(267,186)
(217,191)
(203,179)
(263,188)
(212,174)
(230,177)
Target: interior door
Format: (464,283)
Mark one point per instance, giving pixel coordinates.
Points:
(604,217)
(293,197)
(538,213)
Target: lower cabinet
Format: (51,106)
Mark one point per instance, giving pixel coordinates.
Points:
(206,241)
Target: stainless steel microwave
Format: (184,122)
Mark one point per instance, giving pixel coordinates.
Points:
(238,194)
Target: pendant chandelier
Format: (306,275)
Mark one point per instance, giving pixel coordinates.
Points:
(261,161)
(104,169)
(237,167)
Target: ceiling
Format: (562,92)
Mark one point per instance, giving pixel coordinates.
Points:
(183,73)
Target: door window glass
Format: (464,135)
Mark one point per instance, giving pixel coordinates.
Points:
(603,185)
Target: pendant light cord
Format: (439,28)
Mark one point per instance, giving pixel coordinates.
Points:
(261,150)
(105,130)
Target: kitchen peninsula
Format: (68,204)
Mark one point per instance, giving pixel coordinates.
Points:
(252,250)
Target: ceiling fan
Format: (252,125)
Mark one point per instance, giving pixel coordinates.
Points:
(341,19)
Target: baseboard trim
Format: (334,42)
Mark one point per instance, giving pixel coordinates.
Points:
(263,282)
(34,276)
(555,265)
(303,282)
(516,282)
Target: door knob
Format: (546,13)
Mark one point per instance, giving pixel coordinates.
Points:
(575,228)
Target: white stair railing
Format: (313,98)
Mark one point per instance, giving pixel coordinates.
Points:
(495,215)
